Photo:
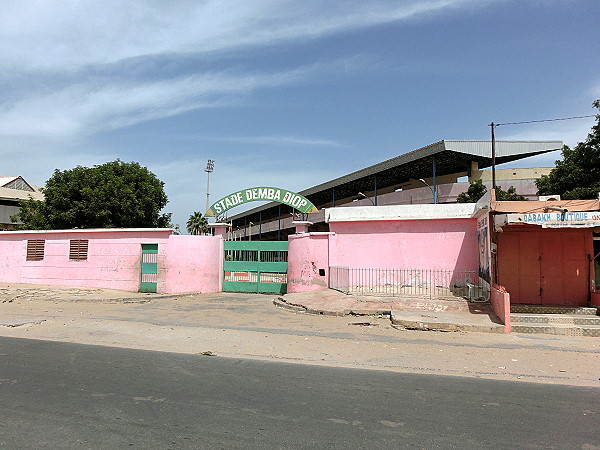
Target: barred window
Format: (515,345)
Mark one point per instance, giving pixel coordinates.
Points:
(35,249)
(78,249)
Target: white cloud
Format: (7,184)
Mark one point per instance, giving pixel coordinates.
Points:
(78,57)
(69,34)
(279,140)
(91,106)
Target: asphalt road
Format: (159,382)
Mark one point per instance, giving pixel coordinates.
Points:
(63,395)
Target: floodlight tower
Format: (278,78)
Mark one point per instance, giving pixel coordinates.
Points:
(210,166)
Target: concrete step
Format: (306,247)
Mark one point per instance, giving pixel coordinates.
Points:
(556,329)
(543,309)
(570,319)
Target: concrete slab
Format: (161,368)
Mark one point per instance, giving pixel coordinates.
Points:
(408,312)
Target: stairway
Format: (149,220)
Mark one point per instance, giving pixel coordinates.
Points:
(562,320)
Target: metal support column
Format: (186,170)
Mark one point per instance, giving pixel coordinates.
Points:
(434,181)
(278,222)
(375,189)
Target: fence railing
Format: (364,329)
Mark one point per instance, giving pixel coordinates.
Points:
(406,282)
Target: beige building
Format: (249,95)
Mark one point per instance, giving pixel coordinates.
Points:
(12,190)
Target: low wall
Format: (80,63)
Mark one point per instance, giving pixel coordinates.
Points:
(500,300)
(439,244)
(308,262)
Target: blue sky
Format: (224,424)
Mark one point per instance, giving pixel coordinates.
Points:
(283,93)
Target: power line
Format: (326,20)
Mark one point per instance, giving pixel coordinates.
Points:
(545,120)
(494,125)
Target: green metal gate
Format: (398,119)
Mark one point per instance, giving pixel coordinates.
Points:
(149,268)
(255,266)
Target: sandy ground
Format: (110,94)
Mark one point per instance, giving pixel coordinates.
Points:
(250,326)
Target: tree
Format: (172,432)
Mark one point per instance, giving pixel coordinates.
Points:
(111,195)
(577,176)
(509,195)
(477,190)
(197,224)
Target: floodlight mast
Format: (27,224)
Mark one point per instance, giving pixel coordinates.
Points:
(210,166)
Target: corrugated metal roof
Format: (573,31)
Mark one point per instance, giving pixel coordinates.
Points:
(452,156)
(503,148)
(6,180)
(16,194)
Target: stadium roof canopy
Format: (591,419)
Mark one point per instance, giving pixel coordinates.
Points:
(446,157)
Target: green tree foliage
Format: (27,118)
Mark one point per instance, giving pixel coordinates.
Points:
(509,195)
(111,195)
(577,176)
(197,224)
(477,190)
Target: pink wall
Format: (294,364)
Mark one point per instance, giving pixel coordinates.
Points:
(12,251)
(194,264)
(307,253)
(500,300)
(113,258)
(185,263)
(449,244)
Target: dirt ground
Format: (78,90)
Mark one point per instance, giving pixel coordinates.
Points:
(251,326)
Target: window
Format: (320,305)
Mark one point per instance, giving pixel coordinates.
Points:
(78,249)
(35,249)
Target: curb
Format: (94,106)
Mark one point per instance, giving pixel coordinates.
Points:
(281,303)
(423,325)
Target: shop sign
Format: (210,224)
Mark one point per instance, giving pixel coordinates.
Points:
(254,194)
(577,219)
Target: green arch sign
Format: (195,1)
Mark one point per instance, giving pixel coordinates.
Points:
(256,194)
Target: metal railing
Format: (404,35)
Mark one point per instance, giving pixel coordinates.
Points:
(405,282)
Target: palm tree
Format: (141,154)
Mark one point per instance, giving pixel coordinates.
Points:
(197,224)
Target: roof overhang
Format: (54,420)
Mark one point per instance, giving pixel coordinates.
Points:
(451,157)
(400,212)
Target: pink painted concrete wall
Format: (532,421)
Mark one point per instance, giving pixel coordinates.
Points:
(308,254)
(194,264)
(113,258)
(185,263)
(500,300)
(439,244)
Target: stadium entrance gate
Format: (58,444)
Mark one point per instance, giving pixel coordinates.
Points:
(255,266)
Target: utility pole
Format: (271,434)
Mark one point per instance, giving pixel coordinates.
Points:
(493,125)
(210,166)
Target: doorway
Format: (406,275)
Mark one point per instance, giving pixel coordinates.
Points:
(545,266)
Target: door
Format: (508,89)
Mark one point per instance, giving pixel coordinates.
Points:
(255,266)
(149,268)
(518,264)
(544,266)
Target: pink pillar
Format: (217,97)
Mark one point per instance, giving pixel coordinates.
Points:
(301,226)
(220,228)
